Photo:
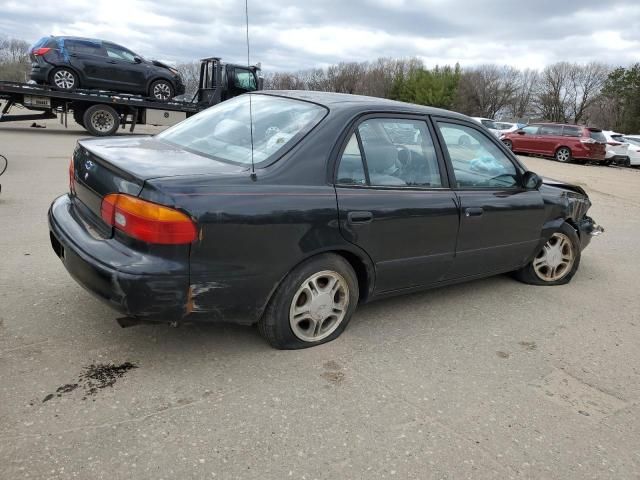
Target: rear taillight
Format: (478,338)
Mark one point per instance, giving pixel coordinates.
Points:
(147,221)
(72,178)
(38,52)
(614,144)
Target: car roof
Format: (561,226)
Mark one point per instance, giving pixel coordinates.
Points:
(345,101)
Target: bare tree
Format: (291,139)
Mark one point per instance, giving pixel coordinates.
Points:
(586,83)
(566,90)
(486,90)
(520,107)
(14,59)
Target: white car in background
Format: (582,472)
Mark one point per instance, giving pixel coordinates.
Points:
(490,124)
(507,127)
(634,150)
(616,148)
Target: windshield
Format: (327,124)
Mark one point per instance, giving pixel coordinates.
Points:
(223,132)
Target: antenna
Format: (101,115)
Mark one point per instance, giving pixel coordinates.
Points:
(253,167)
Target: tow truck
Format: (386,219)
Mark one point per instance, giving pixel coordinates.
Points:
(101,113)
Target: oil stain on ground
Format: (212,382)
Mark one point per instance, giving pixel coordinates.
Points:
(333,373)
(94,378)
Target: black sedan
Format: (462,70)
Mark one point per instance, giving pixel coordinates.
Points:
(68,63)
(287,209)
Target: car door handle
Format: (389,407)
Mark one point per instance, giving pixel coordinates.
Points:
(360,217)
(473,212)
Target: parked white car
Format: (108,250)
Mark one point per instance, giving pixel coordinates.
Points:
(616,148)
(507,127)
(634,150)
(490,124)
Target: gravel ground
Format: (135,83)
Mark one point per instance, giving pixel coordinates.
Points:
(489,379)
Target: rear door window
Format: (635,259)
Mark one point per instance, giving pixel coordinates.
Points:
(395,152)
(84,47)
(550,130)
(570,131)
(351,168)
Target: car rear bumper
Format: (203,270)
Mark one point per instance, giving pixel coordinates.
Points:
(40,73)
(112,272)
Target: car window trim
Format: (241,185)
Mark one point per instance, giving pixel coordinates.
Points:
(444,177)
(520,169)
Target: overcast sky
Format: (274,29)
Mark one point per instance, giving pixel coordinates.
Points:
(288,35)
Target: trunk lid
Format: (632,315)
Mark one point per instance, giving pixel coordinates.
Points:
(123,165)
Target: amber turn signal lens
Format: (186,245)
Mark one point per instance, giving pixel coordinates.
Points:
(147,221)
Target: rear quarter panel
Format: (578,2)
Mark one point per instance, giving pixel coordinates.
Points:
(250,237)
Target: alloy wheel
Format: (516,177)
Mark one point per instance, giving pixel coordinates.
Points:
(563,155)
(319,306)
(556,258)
(162,91)
(64,79)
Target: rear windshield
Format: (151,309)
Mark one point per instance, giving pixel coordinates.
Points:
(223,132)
(40,43)
(598,136)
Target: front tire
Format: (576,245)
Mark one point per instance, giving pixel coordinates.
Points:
(563,155)
(64,79)
(557,261)
(312,305)
(101,120)
(162,90)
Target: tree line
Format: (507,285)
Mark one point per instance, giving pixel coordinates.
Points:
(566,92)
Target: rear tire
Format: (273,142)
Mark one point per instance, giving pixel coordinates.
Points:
(563,257)
(508,144)
(563,155)
(64,79)
(312,305)
(162,90)
(101,120)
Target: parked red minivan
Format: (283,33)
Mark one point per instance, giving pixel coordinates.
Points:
(563,142)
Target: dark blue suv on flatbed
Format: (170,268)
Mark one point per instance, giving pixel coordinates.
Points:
(68,63)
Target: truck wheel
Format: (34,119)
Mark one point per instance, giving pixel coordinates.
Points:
(101,120)
(312,305)
(162,90)
(64,79)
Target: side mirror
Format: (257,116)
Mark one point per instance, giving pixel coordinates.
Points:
(531,181)
(520,132)
(137,60)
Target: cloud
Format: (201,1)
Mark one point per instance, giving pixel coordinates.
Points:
(292,35)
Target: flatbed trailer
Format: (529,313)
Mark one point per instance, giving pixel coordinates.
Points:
(101,113)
